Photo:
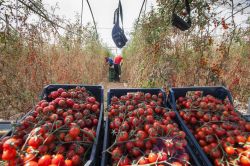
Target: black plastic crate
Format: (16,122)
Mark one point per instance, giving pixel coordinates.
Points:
(5,127)
(219,92)
(96,91)
(106,158)
(10,125)
(246,117)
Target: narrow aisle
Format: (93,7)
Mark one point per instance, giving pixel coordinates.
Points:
(111,85)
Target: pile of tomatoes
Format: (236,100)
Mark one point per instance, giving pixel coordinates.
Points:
(58,132)
(144,132)
(220,131)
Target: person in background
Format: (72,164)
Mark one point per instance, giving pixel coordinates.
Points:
(110,62)
(117,65)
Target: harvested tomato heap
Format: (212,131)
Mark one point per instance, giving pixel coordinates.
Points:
(143,131)
(60,132)
(220,131)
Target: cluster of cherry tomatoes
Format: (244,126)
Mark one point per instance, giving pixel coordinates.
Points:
(222,133)
(145,132)
(58,132)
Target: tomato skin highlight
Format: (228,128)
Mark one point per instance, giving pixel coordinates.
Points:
(9,154)
(152,157)
(244,161)
(45,160)
(58,159)
(230,150)
(10,144)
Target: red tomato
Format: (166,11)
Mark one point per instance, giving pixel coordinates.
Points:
(79,150)
(244,161)
(48,138)
(141,134)
(230,150)
(152,157)
(172,114)
(35,141)
(124,161)
(231,140)
(74,131)
(125,126)
(247,126)
(76,160)
(10,143)
(95,107)
(146,127)
(123,136)
(218,162)
(143,161)
(240,139)
(70,154)
(182,134)
(116,154)
(139,143)
(44,160)
(68,162)
(68,138)
(136,152)
(162,156)
(9,154)
(215,153)
(148,145)
(150,119)
(152,132)
(58,160)
(60,149)
(202,142)
(129,145)
(91,99)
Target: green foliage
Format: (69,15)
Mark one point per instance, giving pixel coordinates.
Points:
(36,55)
(161,55)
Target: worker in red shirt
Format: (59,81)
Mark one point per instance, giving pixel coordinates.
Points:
(117,65)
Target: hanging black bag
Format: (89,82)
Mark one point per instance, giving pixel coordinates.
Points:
(178,21)
(118,35)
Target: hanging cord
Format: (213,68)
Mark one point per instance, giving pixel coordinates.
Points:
(93,18)
(138,19)
(16,14)
(81,13)
(120,12)
(188,11)
(116,17)
(145,7)
(175,6)
(117,14)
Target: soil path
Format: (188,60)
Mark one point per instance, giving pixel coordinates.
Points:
(111,85)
